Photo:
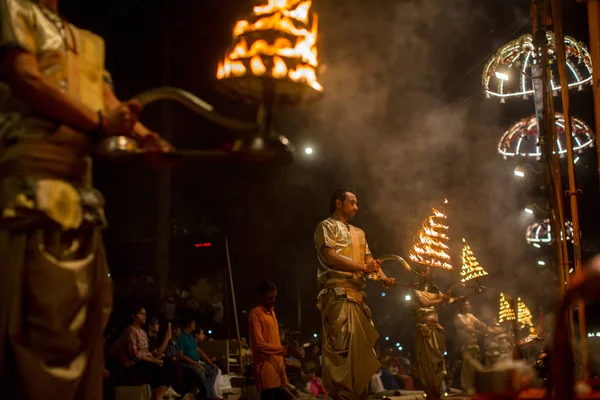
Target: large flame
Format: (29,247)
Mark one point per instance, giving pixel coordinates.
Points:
(431,249)
(291,54)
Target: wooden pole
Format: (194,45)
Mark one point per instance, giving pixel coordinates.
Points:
(572,192)
(235,314)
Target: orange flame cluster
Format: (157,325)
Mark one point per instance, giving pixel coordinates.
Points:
(506,312)
(470,266)
(280,42)
(431,249)
(525,317)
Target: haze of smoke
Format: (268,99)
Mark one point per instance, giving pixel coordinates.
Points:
(404,150)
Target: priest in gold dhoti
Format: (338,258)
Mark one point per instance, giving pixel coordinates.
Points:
(56,101)
(469,329)
(349,337)
(430,342)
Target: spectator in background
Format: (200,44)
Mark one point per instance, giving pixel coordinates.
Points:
(201,337)
(158,349)
(139,365)
(267,351)
(204,375)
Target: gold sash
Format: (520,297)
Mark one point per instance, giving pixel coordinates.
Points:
(86,75)
(359,244)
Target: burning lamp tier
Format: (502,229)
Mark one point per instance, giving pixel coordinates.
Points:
(471,269)
(273,57)
(505,313)
(508,73)
(431,247)
(522,138)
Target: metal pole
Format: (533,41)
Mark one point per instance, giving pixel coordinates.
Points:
(547,135)
(163,228)
(237,323)
(572,192)
(299,295)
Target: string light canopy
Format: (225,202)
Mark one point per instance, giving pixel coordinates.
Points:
(470,266)
(541,232)
(431,247)
(522,138)
(508,73)
(525,317)
(274,54)
(506,312)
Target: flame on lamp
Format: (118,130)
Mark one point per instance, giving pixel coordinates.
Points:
(279,40)
(506,312)
(430,248)
(471,269)
(525,317)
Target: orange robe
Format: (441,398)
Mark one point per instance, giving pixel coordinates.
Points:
(267,351)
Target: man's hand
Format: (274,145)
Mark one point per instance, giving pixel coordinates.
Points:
(373,266)
(158,362)
(121,119)
(389,282)
(296,350)
(201,367)
(155,148)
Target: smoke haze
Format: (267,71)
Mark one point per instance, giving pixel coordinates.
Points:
(387,133)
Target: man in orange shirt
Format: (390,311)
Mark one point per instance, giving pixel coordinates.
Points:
(267,351)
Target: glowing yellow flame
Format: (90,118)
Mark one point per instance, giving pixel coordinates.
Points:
(506,312)
(470,266)
(525,317)
(257,66)
(430,248)
(298,10)
(280,69)
(294,51)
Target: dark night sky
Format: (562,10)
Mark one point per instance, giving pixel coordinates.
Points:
(382,127)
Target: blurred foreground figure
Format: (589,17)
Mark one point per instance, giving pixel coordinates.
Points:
(56,101)
(349,336)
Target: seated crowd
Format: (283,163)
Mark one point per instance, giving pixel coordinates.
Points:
(169,361)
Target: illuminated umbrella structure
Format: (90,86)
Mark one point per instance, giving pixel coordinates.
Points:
(508,73)
(522,138)
(540,232)
(431,247)
(471,270)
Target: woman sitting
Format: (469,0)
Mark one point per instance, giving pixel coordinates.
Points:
(139,365)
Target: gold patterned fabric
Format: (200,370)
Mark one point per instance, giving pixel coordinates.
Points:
(55,289)
(430,345)
(337,235)
(349,337)
(349,360)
